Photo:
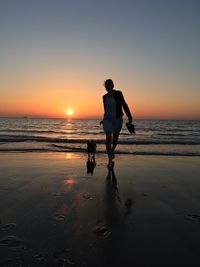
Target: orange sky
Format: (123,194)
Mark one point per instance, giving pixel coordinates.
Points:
(56,56)
(51,95)
(88,104)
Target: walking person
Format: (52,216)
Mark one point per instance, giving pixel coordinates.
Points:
(114,104)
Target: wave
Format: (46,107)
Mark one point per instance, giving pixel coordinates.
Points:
(22,138)
(50,132)
(55,148)
(30,131)
(170,134)
(167,128)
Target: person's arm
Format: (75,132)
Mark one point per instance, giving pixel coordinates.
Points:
(126,109)
(101,122)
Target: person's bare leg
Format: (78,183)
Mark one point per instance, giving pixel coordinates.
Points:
(115,142)
(108,146)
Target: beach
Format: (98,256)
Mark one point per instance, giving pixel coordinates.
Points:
(145,212)
(99,133)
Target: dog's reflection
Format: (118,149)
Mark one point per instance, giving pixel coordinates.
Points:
(91,164)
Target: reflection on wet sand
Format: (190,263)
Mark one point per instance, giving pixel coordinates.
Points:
(70,155)
(91,164)
(70,181)
(116,208)
(112,198)
(114,223)
(69,184)
(111,185)
(107,220)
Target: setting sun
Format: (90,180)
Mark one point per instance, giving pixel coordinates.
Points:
(69,112)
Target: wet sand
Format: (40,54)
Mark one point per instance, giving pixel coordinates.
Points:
(144,213)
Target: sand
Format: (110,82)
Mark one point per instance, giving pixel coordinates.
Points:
(145,213)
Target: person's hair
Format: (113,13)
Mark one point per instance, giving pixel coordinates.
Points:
(109,83)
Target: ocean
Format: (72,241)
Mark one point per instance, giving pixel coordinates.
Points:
(153,137)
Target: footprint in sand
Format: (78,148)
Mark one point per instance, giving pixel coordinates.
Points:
(38,257)
(12,242)
(194,217)
(59,217)
(145,195)
(128,203)
(100,229)
(8,226)
(63,254)
(58,194)
(87,196)
(69,262)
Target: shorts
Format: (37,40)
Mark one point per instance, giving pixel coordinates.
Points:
(112,125)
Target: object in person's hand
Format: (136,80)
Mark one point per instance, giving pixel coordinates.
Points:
(131,128)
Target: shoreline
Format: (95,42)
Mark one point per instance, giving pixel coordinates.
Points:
(82,151)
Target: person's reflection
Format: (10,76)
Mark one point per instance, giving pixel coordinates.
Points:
(115,212)
(112,191)
(115,206)
(112,198)
(91,164)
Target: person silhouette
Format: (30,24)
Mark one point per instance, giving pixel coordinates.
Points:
(113,102)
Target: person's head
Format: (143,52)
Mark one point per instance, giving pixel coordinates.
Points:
(109,85)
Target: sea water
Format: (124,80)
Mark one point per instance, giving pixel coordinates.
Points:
(153,137)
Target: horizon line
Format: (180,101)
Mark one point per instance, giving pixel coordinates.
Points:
(95,118)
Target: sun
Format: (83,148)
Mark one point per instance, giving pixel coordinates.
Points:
(69,112)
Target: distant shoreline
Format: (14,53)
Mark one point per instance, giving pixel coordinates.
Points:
(99,118)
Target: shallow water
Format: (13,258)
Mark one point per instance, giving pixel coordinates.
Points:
(153,137)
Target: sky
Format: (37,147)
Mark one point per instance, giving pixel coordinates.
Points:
(56,54)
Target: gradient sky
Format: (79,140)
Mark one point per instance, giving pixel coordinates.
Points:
(55,54)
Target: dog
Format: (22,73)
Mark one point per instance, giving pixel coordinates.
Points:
(91,148)
(91,151)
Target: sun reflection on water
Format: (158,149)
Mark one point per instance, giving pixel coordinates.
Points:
(70,155)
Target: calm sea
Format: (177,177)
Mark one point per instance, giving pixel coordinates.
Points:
(153,137)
